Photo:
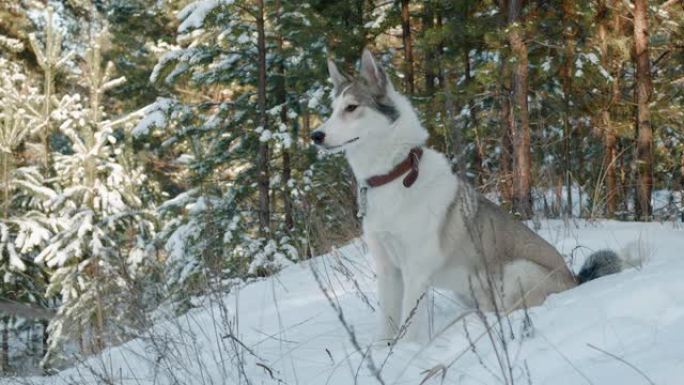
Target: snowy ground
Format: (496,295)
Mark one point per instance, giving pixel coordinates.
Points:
(622,329)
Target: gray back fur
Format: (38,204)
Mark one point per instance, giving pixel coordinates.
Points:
(494,238)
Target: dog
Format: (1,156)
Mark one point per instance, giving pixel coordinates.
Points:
(424,226)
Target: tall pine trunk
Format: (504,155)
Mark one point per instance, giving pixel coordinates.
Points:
(263,153)
(473,124)
(644,161)
(520,135)
(566,79)
(408,45)
(607,29)
(281,93)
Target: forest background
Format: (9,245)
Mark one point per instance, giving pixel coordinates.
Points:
(155,151)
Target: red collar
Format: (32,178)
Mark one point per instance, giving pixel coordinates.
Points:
(409,164)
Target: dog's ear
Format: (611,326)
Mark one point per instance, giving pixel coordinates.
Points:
(374,74)
(338,78)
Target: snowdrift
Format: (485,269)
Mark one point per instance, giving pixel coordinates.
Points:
(622,329)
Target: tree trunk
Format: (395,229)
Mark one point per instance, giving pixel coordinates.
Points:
(263,153)
(281,93)
(608,131)
(46,337)
(408,44)
(625,184)
(506,158)
(4,361)
(520,135)
(567,71)
(287,175)
(506,154)
(473,121)
(440,46)
(505,182)
(610,149)
(644,131)
(306,120)
(50,65)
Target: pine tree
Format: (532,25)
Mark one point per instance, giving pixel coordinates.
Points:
(246,102)
(229,139)
(136,28)
(23,230)
(93,254)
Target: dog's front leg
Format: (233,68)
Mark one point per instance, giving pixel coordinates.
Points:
(414,307)
(390,289)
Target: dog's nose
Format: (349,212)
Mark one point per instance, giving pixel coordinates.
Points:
(318,137)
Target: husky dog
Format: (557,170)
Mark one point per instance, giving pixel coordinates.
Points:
(424,226)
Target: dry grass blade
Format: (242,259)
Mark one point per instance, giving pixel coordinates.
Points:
(609,354)
(266,369)
(435,370)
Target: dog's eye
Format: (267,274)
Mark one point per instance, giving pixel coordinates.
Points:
(351,107)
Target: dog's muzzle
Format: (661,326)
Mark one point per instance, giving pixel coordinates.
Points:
(341,145)
(318,137)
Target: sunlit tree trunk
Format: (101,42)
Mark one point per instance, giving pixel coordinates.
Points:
(607,29)
(644,161)
(566,79)
(520,134)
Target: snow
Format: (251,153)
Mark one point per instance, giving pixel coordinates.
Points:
(13,45)
(168,57)
(592,58)
(265,135)
(379,16)
(282,329)
(316,97)
(155,115)
(193,15)
(604,73)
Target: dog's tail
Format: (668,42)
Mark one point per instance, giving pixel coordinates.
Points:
(599,263)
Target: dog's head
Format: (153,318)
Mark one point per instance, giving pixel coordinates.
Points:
(363,108)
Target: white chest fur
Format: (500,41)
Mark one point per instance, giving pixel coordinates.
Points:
(410,216)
